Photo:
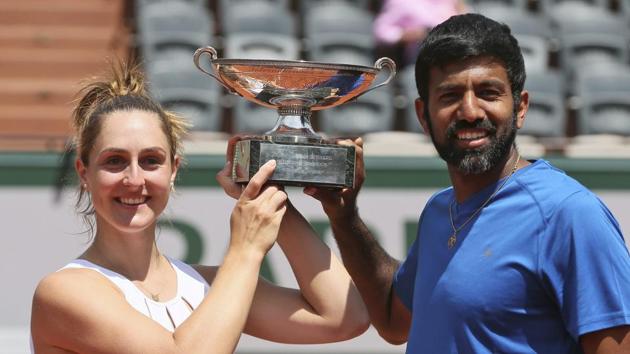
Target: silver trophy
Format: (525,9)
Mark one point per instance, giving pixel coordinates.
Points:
(295,89)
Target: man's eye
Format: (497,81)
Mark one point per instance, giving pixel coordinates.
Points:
(489,94)
(448,96)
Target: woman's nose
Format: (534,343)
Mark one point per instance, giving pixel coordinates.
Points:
(133,176)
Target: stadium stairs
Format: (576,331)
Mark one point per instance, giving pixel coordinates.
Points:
(46,51)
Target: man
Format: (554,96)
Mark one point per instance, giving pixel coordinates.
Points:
(515,257)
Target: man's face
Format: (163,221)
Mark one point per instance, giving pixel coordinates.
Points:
(471,115)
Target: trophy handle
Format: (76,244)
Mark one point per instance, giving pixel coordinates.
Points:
(381,63)
(213,56)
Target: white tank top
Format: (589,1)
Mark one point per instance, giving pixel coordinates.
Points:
(191,290)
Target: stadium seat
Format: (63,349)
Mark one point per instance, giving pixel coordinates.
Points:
(306,6)
(533,32)
(180,87)
(372,112)
(251,118)
(556,7)
(513,4)
(343,48)
(535,52)
(170,29)
(604,96)
(407,81)
(546,116)
(337,17)
(521,21)
(261,46)
(226,6)
(590,33)
(258,17)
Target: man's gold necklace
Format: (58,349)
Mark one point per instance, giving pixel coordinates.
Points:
(453,239)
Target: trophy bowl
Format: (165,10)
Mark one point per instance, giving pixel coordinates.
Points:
(294,89)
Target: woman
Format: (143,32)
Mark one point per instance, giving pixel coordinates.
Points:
(122,295)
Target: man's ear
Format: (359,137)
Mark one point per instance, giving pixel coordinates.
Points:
(422,119)
(521,112)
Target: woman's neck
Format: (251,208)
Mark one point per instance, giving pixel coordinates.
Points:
(132,255)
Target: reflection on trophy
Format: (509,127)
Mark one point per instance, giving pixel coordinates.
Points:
(295,89)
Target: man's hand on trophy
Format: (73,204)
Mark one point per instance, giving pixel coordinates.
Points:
(224,177)
(341,203)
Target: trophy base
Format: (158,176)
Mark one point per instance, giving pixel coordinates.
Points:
(297,164)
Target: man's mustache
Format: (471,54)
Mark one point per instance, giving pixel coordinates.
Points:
(484,124)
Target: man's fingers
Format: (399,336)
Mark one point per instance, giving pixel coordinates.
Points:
(324,195)
(231,146)
(224,178)
(255,184)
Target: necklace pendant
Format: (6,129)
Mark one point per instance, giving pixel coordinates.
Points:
(452,241)
(155,297)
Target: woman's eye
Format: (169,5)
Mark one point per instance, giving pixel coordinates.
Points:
(114,160)
(152,161)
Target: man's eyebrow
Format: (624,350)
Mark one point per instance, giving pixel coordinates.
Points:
(447,86)
(493,82)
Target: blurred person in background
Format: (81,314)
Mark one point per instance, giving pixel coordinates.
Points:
(123,295)
(516,256)
(400,25)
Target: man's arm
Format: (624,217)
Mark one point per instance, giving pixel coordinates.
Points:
(369,265)
(372,270)
(614,340)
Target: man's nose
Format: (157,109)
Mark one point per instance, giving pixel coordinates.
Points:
(469,108)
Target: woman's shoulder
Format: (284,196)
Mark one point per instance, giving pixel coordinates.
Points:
(70,282)
(68,297)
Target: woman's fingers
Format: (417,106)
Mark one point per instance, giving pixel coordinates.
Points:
(258,180)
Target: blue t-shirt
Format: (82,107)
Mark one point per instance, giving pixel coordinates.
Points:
(543,263)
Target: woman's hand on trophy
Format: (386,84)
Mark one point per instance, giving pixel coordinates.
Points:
(256,218)
(341,203)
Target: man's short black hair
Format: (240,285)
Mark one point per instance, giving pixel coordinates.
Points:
(466,36)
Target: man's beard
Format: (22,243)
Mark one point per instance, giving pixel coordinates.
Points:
(480,160)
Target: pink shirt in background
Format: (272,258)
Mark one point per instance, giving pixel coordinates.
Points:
(397,16)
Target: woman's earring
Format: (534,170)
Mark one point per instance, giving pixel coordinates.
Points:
(172,186)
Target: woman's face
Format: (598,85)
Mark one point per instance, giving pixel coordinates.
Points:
(130,171)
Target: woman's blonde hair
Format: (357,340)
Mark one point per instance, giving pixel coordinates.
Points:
(123,89)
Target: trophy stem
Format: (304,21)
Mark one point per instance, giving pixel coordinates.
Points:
(293,126)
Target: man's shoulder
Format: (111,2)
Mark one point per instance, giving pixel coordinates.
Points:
(547,182)
(551,188)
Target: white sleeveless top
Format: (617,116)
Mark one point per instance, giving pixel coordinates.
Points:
(191,290)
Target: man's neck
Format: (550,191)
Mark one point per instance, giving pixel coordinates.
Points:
(465,185)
